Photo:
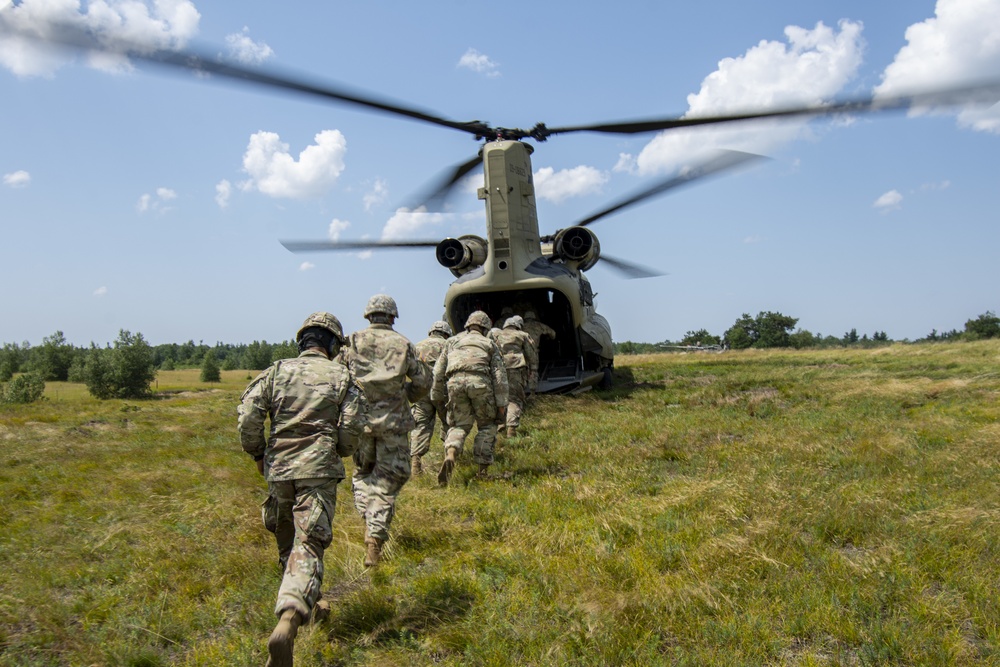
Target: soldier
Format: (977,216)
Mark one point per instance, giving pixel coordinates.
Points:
(471,375)
(537,330)
(381,360)
(316,414)
(521,361)
(424,411)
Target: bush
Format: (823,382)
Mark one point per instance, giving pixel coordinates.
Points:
(25,388)
(124,371)
(210,368)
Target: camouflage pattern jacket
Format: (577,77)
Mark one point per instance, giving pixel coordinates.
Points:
(381,360)
(475,354)
(429,349)
(308,399)
(538,330)
(516,349)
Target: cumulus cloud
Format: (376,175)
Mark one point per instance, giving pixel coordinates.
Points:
(223,191)
(100,291)
(336,227)
(558,186)
(810,67)
(377,195)
(889,201)
(156,202)
(306,266)
(247,51)
(17,179)
(160,24)
(960,44)
(276,173)
(407,224)
(479,62)
(626,163)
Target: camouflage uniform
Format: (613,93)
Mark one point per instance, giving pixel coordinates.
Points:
(424,410)
(381,360)
(470,374)
(314,406)
(521,361)
(537,330)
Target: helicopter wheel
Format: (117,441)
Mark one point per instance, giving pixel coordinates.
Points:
(605,382)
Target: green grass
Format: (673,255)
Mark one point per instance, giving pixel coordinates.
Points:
(835,507)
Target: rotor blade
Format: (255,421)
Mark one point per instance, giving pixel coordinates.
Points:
(435,196)
(311,246)
(77,38)
(630,270)
(985,92)
(723,161)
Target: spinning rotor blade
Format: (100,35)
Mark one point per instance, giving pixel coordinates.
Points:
(628,269)
(986,92)
(310,246)
(80,39)
(723,161)
(436,195)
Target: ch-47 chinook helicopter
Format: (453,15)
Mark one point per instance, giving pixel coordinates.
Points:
(515,267)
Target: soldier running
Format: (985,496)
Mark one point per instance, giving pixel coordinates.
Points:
(382,359)
(537,330)
(316,413)
(470,374)
(424,411)
(521,360)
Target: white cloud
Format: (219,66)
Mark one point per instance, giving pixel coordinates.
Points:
(156,25)
(274,172)
(148,202)
(889,201)
(306,266)
(100,291)
(378,194)
(479,62)
(626,163)
(247,51)
(960,44)
(336,227)
(406,224)
(223,191)
(943,185)
(811,67)
(17,179)
(557,186)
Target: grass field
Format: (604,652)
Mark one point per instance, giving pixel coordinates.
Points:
(835,507)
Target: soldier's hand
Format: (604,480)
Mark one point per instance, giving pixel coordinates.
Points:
(260,467)
(502,414)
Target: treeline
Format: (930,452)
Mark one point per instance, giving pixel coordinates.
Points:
(769,330)
(57,360)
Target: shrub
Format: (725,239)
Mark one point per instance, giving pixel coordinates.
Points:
(210,368)
(124,371)
(25,388)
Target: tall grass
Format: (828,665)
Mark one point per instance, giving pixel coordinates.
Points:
(835,507)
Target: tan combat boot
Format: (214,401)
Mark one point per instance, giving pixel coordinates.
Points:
(416,465)
(511,431)
(484,470)
(373,552)
(282,641)
(447,467)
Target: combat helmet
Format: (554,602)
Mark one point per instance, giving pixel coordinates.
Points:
(323,320)
(517,322)
(530,315)
(440,327)
(381,304)
(479,319)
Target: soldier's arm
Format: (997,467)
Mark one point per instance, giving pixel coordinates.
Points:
(252,412)
(439,378)
(353,418)
(531,356)
(420,376)
(499,373)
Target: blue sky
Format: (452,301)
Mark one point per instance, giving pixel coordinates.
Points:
(136,199)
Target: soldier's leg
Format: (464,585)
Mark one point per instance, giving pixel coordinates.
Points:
(420,436)
(391,472)
(460,417)
(486,421)
(315,501)
(284,527)
(364,463)
(516,379)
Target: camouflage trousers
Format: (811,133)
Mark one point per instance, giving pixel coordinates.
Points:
(303,531)
(381,468)
(517,382)
(470,401)
(424,413)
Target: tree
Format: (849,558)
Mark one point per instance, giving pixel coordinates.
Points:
(257,356)
(986,325)
(803,338)
(773,329)
(25,388)
(851,337)
(53,359)
(210,368)
(742,334)
(699,337)
(124,371)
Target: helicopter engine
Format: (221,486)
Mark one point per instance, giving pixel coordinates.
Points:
(579,245)
(463,254)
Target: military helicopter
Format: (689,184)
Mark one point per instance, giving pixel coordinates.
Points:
(515,268)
